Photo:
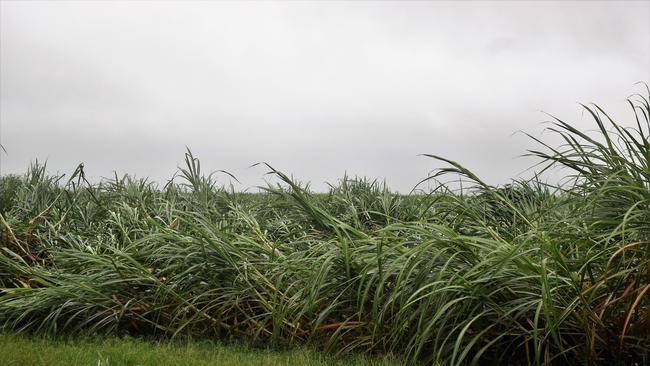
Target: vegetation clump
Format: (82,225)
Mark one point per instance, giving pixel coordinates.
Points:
(526,273)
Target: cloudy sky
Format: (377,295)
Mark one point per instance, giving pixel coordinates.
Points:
(316,89)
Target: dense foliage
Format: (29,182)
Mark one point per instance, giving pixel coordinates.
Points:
(526,273)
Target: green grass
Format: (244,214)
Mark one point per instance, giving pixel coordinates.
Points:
(104,351)
(527,273)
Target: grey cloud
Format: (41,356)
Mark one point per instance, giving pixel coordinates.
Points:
(314,88)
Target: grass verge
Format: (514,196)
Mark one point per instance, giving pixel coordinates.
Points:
(18,350)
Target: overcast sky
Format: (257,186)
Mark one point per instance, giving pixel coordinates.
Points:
(313,88)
